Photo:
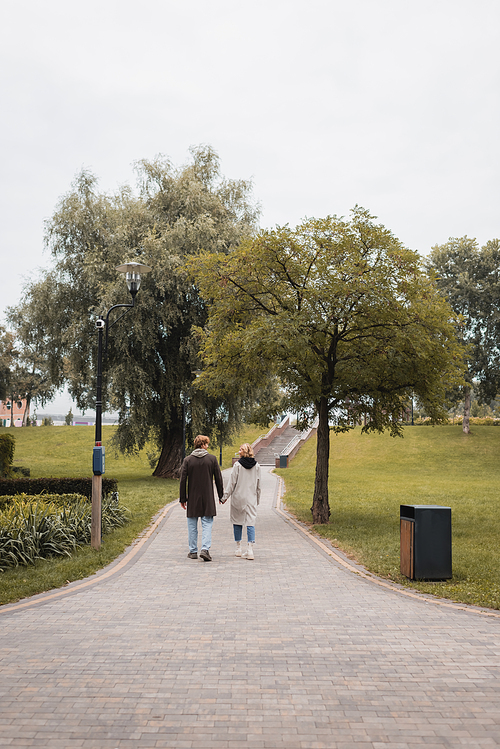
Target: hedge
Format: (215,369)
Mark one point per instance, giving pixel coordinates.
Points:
(56,486)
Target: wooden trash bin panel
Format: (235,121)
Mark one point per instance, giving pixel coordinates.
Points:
(425,537)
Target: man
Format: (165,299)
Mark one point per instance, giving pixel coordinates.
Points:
(199,470)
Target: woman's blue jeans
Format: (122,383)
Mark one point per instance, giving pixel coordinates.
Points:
(206,533)
(238,532)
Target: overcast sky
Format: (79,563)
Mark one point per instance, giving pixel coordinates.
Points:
(390,104)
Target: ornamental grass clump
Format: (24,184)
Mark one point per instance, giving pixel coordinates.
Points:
(34,528)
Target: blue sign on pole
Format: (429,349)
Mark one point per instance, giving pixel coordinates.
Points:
(98,460)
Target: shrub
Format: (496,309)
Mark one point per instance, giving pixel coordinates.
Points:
(81,486)
(40,527)
(7,447)
(21,471)
(56,499)
(486,421)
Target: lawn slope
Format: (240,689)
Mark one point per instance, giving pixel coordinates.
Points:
(372,475)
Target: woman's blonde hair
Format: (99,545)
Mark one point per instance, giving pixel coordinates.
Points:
(247,450)
(201,441)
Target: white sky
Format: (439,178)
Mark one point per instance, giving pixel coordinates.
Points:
(390,104)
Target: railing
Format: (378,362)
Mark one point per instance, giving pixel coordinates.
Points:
(288,448)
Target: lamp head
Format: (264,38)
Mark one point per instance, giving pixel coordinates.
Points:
(133,272)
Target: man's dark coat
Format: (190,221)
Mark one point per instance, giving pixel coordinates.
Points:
(198,472)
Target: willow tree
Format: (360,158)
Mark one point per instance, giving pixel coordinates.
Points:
(152,354)
(343,314)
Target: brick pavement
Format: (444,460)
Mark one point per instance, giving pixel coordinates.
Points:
(290,651)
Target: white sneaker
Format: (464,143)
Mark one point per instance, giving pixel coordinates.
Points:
(249,552)
(237,553)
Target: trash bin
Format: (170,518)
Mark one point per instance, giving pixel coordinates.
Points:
(283,461)
(425,542)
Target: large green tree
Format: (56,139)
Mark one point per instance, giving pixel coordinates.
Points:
(468,276)
(343,314)
(152,354)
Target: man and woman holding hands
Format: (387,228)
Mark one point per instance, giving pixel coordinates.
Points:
(199,471)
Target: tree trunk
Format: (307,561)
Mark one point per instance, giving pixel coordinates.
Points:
(26,414)
(169,463)
(320,508)
(465,422)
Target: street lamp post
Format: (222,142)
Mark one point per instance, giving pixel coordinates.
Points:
(221,418)
(183,401)
(132,271)
(186,398)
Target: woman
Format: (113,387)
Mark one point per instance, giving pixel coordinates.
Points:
(244,490)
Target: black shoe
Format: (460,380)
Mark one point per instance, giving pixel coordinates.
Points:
(192,555)
(205,555)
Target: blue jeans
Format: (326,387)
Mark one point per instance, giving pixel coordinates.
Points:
(238,532)
(206,533)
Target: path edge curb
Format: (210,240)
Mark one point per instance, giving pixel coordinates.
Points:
(115,567)
(334,553)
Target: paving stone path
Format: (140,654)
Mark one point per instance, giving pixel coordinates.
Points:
(290,651)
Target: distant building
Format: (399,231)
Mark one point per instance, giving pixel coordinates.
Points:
(6,412)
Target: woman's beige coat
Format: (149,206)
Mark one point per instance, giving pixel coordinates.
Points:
(244,490)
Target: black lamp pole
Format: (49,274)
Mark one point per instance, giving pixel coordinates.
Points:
(132,273)
(183,398)
(221,413)
(98,403)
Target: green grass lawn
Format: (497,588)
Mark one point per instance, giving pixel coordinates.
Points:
(371,475)
(67,451)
